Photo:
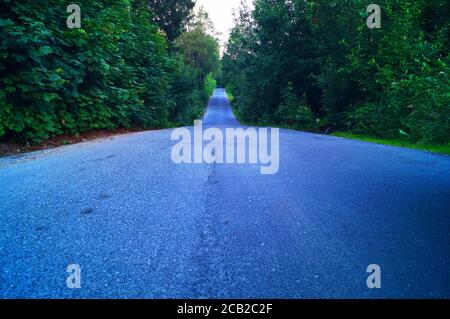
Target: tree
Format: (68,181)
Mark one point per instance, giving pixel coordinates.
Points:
(197,52)
(112,72)
(199,47)
(388,82)
(172,16)
(293,112)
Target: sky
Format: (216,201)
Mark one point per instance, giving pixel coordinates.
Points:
(221,14)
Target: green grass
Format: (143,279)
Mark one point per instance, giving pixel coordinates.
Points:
(441,149)
(230,96)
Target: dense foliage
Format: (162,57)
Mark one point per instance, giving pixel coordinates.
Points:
(316,65)
(172,16)
(198,53)
(118,70)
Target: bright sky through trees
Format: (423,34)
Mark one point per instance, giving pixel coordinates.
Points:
(221,14)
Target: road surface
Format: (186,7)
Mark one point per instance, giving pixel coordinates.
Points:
(141,226)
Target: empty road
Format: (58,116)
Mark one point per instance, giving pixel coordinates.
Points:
(141,226)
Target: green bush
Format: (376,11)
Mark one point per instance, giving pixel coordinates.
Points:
(117,70)
(60,80)
(292,112)
(428,102)
(210,84)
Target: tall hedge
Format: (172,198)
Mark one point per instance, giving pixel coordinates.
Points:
(113,71)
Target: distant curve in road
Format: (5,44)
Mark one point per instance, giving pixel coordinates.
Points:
(141,226)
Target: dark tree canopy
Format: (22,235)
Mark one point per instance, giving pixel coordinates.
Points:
(172,16)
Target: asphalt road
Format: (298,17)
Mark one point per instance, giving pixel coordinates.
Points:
(141,226)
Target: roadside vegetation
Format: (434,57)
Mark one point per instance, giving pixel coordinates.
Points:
(316,66)
(132,64)
(438,148)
